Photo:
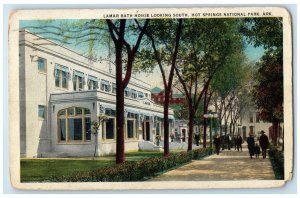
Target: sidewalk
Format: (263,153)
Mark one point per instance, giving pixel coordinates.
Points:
(229,165)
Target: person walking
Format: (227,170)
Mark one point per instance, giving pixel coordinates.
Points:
(234,142)
(228,142)
(217,143)
(197,138)
(264,144)
(239,142)
(257,150)
(251,144)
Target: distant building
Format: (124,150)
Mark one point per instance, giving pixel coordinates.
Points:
(158,96)
(251,123)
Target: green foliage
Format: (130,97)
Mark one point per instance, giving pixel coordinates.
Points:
(163,32)
(268,91)
(201,153)
(267,32)
(135,170)
(277,160)
(33,170)
(231,75)
(207,43)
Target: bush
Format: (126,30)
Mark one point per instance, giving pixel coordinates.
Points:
(201,153)
(135,170)
(277,160)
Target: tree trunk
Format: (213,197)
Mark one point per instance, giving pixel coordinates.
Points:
(204,133)
(275,131)
(191,128)
(166,123)
(220,127)
(225,127)
(120,156)
(205,107)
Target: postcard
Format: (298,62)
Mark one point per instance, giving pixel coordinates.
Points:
(177,98)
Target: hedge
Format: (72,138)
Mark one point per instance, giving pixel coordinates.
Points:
(136,170)
(277,160)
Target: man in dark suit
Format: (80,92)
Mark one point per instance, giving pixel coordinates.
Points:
(263,143)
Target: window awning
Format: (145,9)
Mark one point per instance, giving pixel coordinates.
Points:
(61,67)
(93,78)
(132,110)
(104,82)
(171,117)
(145,113)
(127,89)
(108,106)
(160,115)
(77,73)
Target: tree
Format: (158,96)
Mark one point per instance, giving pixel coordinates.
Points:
(162,47)
(206,46)
(268,91)
(117,30)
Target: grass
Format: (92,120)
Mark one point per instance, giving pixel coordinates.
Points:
(36,170)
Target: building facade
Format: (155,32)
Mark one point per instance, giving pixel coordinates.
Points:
(251,123)
(158,96)
(63,92)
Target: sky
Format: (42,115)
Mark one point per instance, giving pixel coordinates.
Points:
(252,53)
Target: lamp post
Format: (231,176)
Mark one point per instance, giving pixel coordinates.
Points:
(211,116)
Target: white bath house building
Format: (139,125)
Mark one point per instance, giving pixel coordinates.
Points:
(62,93)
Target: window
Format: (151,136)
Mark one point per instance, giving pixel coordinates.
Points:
(110,112)
(130,128)
(61,74)
(109,128)
(78,80)
(140,94)
(146,95)
(42,111)
(127,92)
(251,129)
(92,83)
(132,124)
(257,117)
(41,64)
(244,129)
(105,85)
(251,118)
(74,125)
(114,88)
(158,128)
(133,93)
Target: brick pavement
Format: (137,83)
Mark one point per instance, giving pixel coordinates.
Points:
(229,165)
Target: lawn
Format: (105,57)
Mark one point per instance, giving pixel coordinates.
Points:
(34,170)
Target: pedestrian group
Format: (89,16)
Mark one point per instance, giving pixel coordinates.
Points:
(254,148)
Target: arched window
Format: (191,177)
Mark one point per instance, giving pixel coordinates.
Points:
(74,125)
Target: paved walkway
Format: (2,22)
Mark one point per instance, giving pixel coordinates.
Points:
(229,165)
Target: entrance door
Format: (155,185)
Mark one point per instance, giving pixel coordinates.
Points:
(183,135)
(146,131)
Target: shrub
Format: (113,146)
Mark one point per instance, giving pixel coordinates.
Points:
(201,153)
(135,170)
(277,160)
